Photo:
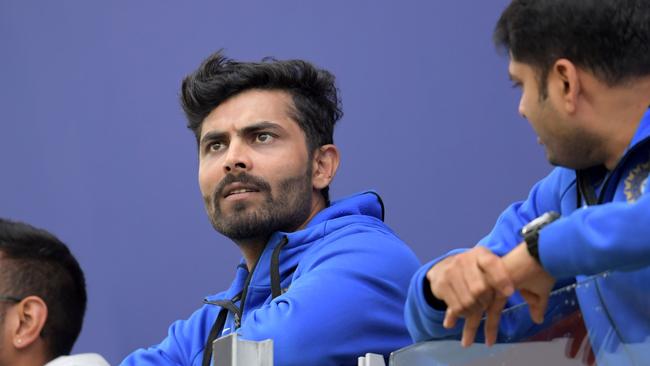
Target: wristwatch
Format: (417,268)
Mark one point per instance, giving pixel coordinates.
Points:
(530,232)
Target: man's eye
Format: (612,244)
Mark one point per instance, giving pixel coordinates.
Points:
(264,137)
(215,146)
(516,85)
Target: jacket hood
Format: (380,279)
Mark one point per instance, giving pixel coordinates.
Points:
(338,215)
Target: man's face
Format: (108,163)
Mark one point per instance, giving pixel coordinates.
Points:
(566,140)
(4,346)
(254,167)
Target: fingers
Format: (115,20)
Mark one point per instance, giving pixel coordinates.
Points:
(450,320)
(461,305)
(472,293)
(472,323)
(466,281)
(496,274)
(536,305)
(493,316)
(478,293)
(445,292)
(470,284)
(538,310)
(449,283)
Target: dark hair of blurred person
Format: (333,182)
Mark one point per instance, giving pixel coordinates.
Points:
(42,295)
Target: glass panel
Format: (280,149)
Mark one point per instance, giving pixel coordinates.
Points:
(615,307)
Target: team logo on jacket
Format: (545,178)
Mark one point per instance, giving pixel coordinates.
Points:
(636,182)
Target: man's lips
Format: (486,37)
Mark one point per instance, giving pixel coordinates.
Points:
(238,189)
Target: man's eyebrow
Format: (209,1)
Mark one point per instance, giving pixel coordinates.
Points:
(212,136)
(512,77)
(258,126)
(262,125)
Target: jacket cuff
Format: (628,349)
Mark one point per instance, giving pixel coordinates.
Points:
(555,253)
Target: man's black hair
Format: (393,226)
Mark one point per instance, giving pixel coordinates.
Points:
(35,263)
(610,38)
(315,97)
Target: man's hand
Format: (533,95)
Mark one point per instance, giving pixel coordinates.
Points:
(472,283)
(532,281)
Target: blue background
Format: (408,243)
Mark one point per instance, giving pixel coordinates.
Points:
(93,144)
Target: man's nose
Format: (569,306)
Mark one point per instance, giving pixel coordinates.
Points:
(237,158)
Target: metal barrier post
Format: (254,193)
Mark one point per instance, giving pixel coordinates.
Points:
(371,359)
(231,351)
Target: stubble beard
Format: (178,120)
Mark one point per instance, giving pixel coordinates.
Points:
(287,211)
(574,148)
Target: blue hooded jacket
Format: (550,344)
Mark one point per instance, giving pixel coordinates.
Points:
(611,236)
(326,294)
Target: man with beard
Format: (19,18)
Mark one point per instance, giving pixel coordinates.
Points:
(584,70)
(42,299)
(326,281)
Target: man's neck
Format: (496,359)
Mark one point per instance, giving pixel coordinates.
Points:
(620,110)
(33,357)
(252,248)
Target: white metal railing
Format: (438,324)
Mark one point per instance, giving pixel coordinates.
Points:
(566,341)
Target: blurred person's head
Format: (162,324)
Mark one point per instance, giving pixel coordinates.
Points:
(584,70)
(42,296)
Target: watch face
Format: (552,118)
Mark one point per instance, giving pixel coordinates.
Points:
(539,222)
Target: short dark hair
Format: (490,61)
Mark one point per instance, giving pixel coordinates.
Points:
(315,96)
(610,38)
(36,263)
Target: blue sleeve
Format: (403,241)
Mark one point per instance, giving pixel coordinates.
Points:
(345,300)
(184,343)
(611,236)
(545,196)
(425,323)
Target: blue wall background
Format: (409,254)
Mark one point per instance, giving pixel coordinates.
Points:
(93,145)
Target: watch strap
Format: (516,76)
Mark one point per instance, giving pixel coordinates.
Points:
(532,244)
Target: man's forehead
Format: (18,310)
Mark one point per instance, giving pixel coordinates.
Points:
(249,108)
(518,70)
(512,68)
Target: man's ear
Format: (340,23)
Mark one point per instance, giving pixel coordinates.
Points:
(325,164)
(565,80)
(31,317)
